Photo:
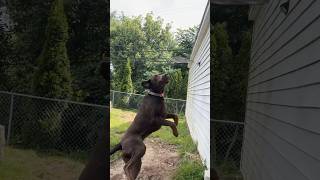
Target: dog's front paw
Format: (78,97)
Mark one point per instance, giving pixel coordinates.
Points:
(176,120)
(175,133)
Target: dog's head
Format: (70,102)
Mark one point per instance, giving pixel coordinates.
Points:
(156,83)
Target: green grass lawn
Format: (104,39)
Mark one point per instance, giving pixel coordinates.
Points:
(119,122)
(189,166)
(21,164)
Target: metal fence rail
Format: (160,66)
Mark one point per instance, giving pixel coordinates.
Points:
(132,101)
(45,123)
(226,145)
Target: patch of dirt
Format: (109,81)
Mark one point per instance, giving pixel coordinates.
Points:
(159,162)
(57,169)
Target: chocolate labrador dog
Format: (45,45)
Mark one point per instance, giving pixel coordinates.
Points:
(150,117)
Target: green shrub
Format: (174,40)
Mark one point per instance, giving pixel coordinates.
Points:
(52,79)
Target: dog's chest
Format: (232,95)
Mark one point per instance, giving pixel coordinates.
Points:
(151,127)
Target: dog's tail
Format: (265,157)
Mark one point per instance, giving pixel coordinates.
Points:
(115,149)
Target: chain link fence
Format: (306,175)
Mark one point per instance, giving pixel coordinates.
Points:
(226,145)
(50,124)
(132,101)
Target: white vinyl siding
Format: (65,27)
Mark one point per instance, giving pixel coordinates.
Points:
(282,131)
(198,95)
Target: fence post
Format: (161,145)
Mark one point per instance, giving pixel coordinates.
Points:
(2,142)
(10,119)
(182,109)
(177,107)
(112,98)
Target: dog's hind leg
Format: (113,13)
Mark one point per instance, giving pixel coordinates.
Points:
(133,169)
(133,165)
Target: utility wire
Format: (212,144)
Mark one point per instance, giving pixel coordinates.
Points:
(134,60)
(154,60)
(161,50)
(154,50)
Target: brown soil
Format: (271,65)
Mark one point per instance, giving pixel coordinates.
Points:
(159,162)
(56,169)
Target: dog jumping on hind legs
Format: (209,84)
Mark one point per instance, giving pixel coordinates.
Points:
(150,117)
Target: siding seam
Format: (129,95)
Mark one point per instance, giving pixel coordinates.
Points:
(277,151)
(277,135)
(281,75)
(286,43)
(267,21)
(285,105)
(283,121)
(274,30)
(285,58)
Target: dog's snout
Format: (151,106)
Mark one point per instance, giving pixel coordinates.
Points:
(165,76)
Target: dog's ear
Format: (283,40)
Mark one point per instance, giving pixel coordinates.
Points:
(146,84)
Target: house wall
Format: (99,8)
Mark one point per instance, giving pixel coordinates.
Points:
(282,131)
(198,95)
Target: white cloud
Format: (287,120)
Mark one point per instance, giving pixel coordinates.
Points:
(180,13)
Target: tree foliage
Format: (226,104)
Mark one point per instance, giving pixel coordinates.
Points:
(52,77)
(142,40)
(177,87)
(241,66)
(86,44)
(185,39)
(220,70)
(54,53)
(5,51)
(149,44)
(230,43)
(125,83)
(236,20)
(230,49)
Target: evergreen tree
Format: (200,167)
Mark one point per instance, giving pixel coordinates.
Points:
(240,77)
(221,68)
(236,18)
(177,87)
(51,79)
(126,82)
(5,50)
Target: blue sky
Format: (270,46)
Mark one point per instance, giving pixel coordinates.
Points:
(180,13)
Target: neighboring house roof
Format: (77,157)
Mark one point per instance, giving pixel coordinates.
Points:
(180,60)
(204,26)
(239,2)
